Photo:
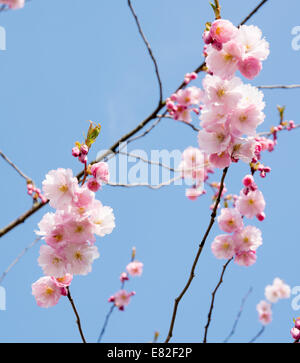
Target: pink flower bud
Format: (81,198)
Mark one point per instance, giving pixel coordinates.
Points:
(82,158)
(100,171)
(295,333)
(93,185)
(218,46)
(297,323)
(124,277)
(207,38)
(248,180)
(250,67)
(75,152)
(84,149)
(261,217)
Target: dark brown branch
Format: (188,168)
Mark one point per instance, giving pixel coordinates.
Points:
(77,315)
(213,300)
(254,11)
(192,273)
(124,138)
(149,51)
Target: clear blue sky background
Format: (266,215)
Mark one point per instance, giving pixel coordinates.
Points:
(73,60)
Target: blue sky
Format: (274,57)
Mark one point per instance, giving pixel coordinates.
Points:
(70,61)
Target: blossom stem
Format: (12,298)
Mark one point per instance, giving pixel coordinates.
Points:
(201,246)
(238,316)
(77,315)
(258,335)
(213,300)
(106,322)
(218,9)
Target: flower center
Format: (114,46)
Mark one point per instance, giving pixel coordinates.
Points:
(63,188)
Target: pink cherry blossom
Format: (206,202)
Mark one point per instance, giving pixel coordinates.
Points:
(243,149)
(59,187)
(222,31)
(192,165)
(251,204)
(249,238)
(122,298)
(14,4)
(278,290)
(52,261)
(214,142)
(64,281)
(245,258)
(224,63)
(223,247)
(80,257)
(220,160)
(103,219)
(46,292)
(250,67)
(135,268)
(264,310)
(245,120)
(230,220)
(223,92)
(250,37)
(100,171)
(80,230)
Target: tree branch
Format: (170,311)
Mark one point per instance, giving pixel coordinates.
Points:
(192,273)
(149,51)
(213,300)
(23,175)
(77,315)
(238,315)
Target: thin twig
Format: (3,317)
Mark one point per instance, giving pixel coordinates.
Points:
(77,315)
(4,274)
(280,86)
(192,273)
(230,335)
(150,162)
(258,334)
(149,51)
(213,300)
(254,11)
(106,322)
(23,175)
(155,187)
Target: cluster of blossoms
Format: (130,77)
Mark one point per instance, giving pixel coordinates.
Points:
(230,111)
(122,298)
(295,331)
(229,49)
(69,233)
(13,4)
(241,242)
(273,293)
